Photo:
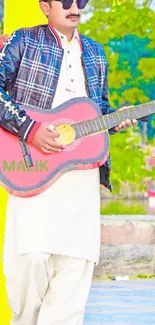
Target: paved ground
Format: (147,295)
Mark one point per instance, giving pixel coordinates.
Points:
(121,303)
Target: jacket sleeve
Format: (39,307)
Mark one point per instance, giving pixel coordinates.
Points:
(106,108)
(12,119)
(103,75)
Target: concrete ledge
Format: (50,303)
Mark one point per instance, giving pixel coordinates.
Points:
(128,232)
(124,269)
(127,245)
(136,217)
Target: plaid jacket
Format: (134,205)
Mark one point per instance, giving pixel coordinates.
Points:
(30,64)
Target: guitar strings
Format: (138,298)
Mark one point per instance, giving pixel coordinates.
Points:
(101,118)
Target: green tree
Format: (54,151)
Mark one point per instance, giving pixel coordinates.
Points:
(127,33)
(129,172)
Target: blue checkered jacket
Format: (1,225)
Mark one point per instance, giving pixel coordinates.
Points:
(30,64)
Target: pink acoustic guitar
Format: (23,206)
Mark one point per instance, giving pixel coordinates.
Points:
(25,171)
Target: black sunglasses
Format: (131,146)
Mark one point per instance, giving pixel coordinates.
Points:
(81,4)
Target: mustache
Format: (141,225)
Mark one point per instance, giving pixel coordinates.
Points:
(73,15)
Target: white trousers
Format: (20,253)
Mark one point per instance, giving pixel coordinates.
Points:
(45,289)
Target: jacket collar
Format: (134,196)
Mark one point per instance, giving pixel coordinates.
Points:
(57,35)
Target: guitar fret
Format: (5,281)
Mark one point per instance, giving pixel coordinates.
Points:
(149,108)
(144,109)
(122,118)
(91,126)
(104,123)
(117,118)
(112,116)
(135,112)
(77,131)
(112,120)
(97,123)
(97,128)
(127,114)
(86,129)
(82,129)
(152,106)
(79,134)
(101,123)
(106,118)
(108,121)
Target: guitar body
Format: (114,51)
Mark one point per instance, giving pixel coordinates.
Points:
(83,153)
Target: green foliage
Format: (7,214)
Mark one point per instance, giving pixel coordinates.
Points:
(131,277)
(129,166)
(143,276)
(118,207)
(152,142)
(127,33)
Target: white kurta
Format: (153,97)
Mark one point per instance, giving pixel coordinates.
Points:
(65,219)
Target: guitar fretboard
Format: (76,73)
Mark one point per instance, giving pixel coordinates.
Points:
(106,122)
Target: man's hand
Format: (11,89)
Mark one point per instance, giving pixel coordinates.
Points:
(45,139)
(127,123)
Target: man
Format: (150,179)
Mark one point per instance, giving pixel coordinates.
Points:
(52,240)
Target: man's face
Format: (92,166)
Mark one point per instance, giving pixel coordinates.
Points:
(59,17)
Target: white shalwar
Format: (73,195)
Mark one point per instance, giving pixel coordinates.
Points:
(63,221)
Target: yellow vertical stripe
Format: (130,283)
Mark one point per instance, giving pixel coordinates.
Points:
(19,13)
(5,313)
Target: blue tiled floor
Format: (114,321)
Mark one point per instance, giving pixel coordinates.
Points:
(121,303)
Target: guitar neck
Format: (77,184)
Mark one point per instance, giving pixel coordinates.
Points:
(106,122)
